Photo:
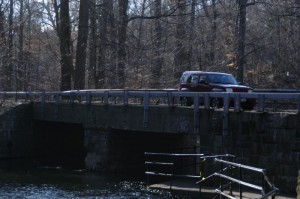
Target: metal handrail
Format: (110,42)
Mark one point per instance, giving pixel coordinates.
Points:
(274,190)
(265,191)
(172,167)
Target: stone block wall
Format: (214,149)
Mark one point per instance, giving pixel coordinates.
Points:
(264,140)
(96,143)
(15,134)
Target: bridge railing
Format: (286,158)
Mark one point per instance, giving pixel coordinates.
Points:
(263,101)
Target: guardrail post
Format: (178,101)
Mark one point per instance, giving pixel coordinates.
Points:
(170,99)
(261,99)
(206,101)
(146,109)
(298,112)
(196,113)
(72,97)
(57,100)
(106,95)
(125,98)
(88,98)
(43,102)
(225,113)
(237,102)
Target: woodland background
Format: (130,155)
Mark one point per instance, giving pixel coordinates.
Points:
(83,44)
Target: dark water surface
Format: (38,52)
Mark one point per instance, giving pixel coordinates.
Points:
(61,184)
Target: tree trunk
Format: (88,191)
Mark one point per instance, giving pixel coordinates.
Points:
(8,66)
(20,72)
(103,44)
(112,48)
(65,46)
(181,58)
(241,40)
(137,68)
(214,34)
(79,81)
(2,49)
(191,38)
(122,29)
(158,60)
(92,46)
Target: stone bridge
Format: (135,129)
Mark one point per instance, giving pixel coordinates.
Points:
(111,133)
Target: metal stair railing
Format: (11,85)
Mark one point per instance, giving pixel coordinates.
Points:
(266,188)
(167,167)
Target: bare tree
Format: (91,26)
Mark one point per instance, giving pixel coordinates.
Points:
(181,57)
(8,65)
(122,33)
(64,33)
(3,49)
(79,80)
(241,38)
(92,46)
(157,60)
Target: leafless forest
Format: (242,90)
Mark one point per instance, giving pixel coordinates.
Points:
(50,45)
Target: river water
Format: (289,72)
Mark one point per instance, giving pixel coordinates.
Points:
(63,184)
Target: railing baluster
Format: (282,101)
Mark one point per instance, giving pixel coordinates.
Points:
(225,113)
(146,109)
(88,98)
(298,112)
(261,99)
(106,96)
(206,101)
(125,98)
(237,102)
(170,99)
